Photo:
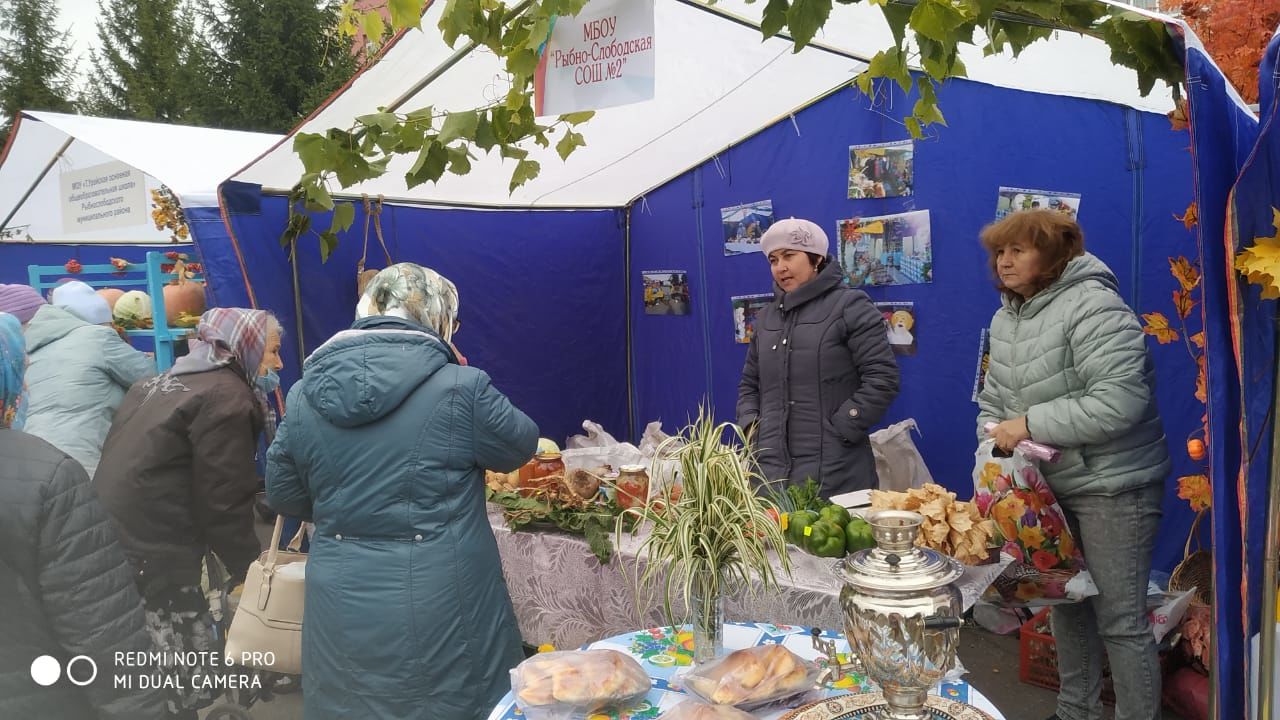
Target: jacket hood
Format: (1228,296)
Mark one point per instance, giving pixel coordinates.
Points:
(827,279)
(363,374)
(1081,269)
(49,325)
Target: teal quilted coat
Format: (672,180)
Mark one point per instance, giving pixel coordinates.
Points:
(384,447)
(1073,359)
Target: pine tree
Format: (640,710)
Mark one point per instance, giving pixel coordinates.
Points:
(151,63)
(36,69)
(276,60)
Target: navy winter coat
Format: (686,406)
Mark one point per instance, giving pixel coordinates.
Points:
(384,447)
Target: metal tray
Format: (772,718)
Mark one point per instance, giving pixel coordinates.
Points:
(865,707)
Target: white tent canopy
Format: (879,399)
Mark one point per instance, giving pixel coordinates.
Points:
(716,83)
(190,161)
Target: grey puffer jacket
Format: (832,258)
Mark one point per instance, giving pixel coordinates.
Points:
(819,375)
(65,590)
(1073,360)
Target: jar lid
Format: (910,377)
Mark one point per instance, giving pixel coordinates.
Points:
(896,564)
(549,455)
(632,468)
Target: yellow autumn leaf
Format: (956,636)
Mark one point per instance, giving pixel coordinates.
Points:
(1202,381)
(1158,326)
(1198,339)
(1260,262)
(1183,303)
(1187,275)
(1190,217)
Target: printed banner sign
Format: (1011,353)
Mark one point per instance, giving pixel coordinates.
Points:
(602,57)
(101,197)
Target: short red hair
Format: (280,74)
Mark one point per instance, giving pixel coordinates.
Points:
(1058,238)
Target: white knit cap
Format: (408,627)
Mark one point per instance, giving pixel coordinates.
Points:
(795,234)
(82,301)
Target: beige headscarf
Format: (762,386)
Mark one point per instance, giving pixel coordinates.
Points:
(415,293)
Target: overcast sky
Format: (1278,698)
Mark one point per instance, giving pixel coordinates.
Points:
(79,16)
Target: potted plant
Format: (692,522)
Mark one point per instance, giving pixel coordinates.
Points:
(712,535)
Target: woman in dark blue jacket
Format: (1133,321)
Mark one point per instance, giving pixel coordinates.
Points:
(384,448)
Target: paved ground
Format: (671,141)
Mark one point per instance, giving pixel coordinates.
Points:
(992,662)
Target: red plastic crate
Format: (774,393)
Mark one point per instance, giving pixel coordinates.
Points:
(1038,659)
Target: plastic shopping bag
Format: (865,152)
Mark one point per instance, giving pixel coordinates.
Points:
(1048,567)
(899,464)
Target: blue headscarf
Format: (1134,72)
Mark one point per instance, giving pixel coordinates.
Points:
(13,365)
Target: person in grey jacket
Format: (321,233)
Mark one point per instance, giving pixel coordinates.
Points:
(80,371)
(819,372)
(66,589)
(384,447)
(1069,367)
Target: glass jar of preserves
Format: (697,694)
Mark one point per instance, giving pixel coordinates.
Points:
(544,472)
(633,486)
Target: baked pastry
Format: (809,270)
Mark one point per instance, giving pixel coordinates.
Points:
(694,710)
(751,676)
(587,680)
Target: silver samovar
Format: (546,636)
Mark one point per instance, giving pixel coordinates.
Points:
(901,612)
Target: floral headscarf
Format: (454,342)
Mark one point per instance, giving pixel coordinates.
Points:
(223,335)
(13,365)
(415,293)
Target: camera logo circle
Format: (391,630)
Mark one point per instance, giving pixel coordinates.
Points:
(93,670)
(45,670)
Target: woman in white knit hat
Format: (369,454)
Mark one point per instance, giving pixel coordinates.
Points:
(819,371)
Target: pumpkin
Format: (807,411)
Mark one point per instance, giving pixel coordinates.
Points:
(111,295)
(184,296)
(132,310)
(1195,449)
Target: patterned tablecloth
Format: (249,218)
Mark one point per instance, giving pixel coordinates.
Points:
(661,644)
(564,596)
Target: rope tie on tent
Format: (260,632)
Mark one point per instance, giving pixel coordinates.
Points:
(719,167)
(372,212)
(644,204)
(795,124)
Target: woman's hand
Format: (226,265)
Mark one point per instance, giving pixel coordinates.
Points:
(1010,432)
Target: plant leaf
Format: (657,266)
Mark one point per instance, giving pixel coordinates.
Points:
(1183,303)
(805,18)
(458,125)
(344,214)
(1157,325)
(1186,274)
(525,171)
(1190,217)
(569,143)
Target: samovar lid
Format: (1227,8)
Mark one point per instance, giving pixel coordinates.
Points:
(896,564)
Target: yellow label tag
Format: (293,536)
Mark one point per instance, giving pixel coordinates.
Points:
(808,530)
(786,520)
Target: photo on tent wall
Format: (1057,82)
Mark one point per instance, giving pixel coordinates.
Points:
(881,170)
(746,308)
(1012,200)
(984,359)
(744,225)
(900,324)
(886,249)
(666,292)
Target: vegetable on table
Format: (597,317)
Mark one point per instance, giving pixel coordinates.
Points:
(858,535)
(835,514)
(796,523)
(825,539)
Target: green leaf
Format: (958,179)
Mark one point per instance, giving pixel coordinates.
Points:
(422,116)
(937,20)
(865,83)
(897,16)
(459,161)
(344,214)
(484,137)
(328,243)
(459,125)
(429,167)
(373,25)
(577,118)
(384,121)
(1042,9)
(774,19)
(569,143)
(318,198)
(513,152)
(525,171)
(522,63)
(913,127)
(890,64)
(805,18)
(313,151)
(406,13)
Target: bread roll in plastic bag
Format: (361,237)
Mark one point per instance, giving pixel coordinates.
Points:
(752,678)
(697,710)
(562,685)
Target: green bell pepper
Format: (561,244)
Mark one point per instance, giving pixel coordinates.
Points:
(796,523)
(835,514)
(858,535)
(825,539)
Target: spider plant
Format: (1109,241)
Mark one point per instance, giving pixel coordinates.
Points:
(713,537)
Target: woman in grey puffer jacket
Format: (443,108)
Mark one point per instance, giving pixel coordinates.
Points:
(1069,367)
(819,372)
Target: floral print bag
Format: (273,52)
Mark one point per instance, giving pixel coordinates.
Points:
(1032,529)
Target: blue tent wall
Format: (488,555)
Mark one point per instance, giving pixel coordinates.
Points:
(1131,168)
(541,293)
(15,257)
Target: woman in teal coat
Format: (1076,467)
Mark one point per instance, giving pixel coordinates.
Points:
(384,448)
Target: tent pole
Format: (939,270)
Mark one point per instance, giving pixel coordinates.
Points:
(39,178)
(1270,569)
(297,299)
(452,60)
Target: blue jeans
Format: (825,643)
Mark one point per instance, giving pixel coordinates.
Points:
(1117,535)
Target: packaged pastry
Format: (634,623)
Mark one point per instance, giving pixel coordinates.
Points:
(752,678)
(698,710)
(555,685)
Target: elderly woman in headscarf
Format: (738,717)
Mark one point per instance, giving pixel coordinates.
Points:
(384,449)
(68,590)
(178,477)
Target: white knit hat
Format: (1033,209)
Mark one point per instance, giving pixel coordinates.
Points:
(82,301)
(795,234)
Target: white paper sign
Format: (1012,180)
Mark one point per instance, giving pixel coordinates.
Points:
(100,197)
(603,57)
